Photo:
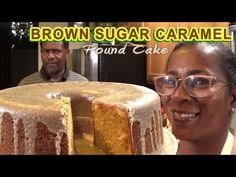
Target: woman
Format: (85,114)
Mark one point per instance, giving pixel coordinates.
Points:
(198,94)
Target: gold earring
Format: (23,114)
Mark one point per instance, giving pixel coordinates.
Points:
(233,109)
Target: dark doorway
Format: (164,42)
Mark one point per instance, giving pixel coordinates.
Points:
(18,56)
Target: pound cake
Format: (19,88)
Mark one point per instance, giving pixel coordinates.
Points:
(47,118)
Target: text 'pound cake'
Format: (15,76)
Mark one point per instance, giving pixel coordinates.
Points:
(48,118)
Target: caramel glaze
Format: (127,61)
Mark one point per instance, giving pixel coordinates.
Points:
(48,109)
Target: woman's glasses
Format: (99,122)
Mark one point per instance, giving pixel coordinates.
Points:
(194,85)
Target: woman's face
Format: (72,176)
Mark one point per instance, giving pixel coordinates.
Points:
(194,118)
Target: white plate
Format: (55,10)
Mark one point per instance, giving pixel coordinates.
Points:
(170,145)
(84,145)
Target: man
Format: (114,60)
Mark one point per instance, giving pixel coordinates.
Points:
(54,68)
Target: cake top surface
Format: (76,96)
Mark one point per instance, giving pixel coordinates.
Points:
(43,94)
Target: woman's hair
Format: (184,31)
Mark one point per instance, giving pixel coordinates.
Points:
(227,59)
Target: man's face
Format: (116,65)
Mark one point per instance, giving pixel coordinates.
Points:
(54,57)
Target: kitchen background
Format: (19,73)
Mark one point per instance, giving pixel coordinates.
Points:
(19,57)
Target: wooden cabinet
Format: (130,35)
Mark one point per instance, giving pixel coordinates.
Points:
(131,24)
(156,63)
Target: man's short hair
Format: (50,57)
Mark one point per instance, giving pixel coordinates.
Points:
(65,44)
